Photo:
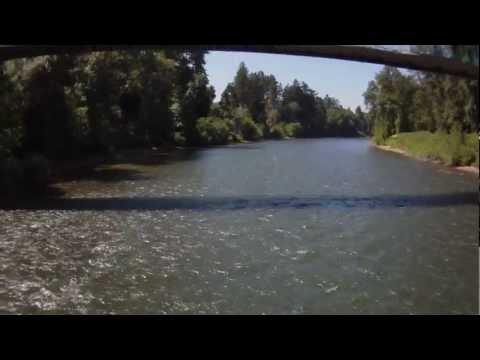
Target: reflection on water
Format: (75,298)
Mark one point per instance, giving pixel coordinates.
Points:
(289,227)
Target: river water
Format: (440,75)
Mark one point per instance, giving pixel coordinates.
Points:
(321,226)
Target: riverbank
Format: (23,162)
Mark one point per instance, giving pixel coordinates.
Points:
(461,155)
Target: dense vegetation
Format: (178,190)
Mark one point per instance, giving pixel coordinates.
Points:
(62,107)
(442,109)
(291,111)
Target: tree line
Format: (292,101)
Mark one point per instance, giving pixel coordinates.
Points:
(60,106)
(291,111)
(418,101)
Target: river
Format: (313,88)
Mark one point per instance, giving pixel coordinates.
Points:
(315,226)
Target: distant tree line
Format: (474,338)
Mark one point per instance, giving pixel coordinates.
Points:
(255,105)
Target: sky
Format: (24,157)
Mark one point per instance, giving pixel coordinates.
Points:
(343,80)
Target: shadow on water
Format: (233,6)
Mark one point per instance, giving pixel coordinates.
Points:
(160,158)
(106,175)
(249,202)
(115,169)
(236,147)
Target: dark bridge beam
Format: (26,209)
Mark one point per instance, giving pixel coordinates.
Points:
(343,52)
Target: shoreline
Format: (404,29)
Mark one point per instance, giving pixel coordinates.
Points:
(465,169)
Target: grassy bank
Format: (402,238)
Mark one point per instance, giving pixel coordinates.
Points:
(451,149)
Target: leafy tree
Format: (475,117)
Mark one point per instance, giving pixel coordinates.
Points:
(213,131)
(195,104)
(10,105)
(300,104)
(194,95)
(48,116)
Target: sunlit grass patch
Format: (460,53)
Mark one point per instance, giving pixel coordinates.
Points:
(453,149)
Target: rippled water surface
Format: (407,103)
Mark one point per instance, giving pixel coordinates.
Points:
(328,226)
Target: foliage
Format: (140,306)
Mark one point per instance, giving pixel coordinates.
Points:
(301,104)
(293,130)
(250,131)
(269,104)
(243,125)
(195,104)
(179,139)
(10,102)
(37,171)
(277,132)
(439,110)
(401,103)
(11,177)
(213,131)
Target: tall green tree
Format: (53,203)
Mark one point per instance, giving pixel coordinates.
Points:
(195,104)
(10,107)
(48,116)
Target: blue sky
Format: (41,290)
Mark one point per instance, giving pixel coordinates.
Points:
(344,80)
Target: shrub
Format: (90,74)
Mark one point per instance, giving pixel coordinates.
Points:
(213,130)
(216,110)
(179,139)
(277,132)
(250,131)
(233,137)
(4,151)
(11,176)
(10,140)
(262,128)
(37,171)
(244,126)
(472,142)
(294,129)
(380,133)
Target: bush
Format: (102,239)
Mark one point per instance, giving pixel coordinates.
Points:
(233,137)
(243,125)
(37,172)
(262,128)
(213,130)
(293,130)
(380,133)
(277,132)
(472,143)
(179,139)
(216,111)
(11,177)
(10,140)
(250,131)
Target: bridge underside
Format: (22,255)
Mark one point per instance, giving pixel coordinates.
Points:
(343,52)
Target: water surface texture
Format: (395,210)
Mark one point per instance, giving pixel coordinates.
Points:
(324,226)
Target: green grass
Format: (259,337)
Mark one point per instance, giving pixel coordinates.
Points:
(453,149)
